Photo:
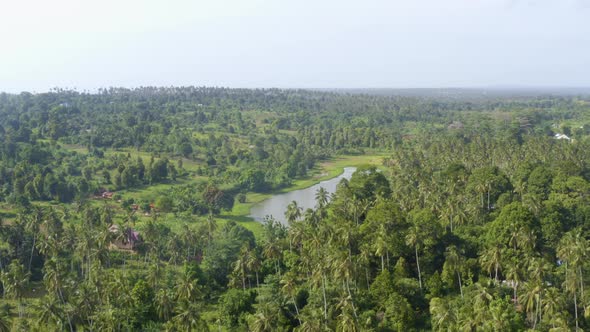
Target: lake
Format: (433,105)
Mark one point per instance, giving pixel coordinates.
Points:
(305,198)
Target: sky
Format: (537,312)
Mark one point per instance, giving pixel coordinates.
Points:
(86,45)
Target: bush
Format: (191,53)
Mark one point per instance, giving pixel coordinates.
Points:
(241,198)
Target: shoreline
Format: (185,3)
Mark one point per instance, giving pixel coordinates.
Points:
(328,169)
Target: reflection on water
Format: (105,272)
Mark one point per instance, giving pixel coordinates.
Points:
(305,198)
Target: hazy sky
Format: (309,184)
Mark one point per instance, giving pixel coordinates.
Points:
(321,43)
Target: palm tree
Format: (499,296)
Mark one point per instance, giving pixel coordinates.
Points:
(32,225)
(443,314)
(381,245)
(321,198)
(530,298)
(491,260)
(253,264)
(538,269)
(211,228)
(107,319)
(14,281)
(290,289)
(312,321)
(413,240)
(53,279)
(5,322)
(342,269)
(189,239)
(572,251)
(454,261)
(263,320)
(49,312)
(155,274)
(293,212)
(49,245)
(87,298)
(345,321)
(552,305)
(188,318)
(272,251)
(297,232)
(514,274)
(164,302)
(318,279)
(481,297)
(240,265)
(186,288)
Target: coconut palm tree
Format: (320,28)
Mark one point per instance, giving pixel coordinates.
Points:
(14,281)
(32,223)
(491,260)
(188,318)
(413,240)
(49,312)
(253,264)
(164,303)
(293,212)
(553,305)
(312,321)
(346,320)
(240,266)
(454,262)
(290,289)
(263,320)
(187,288)
(572,250)
(321,197)
(381,244)
(443,314)
(272,251)
(514,274)
(530,299)
(5,322)
(211,228)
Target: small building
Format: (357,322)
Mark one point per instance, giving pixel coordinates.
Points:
(103,193)
(455,125)
(562,136)
(126,241)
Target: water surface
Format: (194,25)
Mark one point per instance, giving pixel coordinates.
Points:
(305,198)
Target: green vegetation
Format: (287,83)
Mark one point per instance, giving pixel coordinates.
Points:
(127,210)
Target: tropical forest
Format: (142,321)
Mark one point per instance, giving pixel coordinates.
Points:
(130,210)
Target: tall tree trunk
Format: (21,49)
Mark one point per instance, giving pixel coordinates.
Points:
(418,266)
(537,311)
(460,285)
(496,277)
(351,300)
(61,297)
(324,294)
(451,223)
(296,309)
(576,310)
(581,283)
(32,251)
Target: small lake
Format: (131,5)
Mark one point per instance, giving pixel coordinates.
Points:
(305,198)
